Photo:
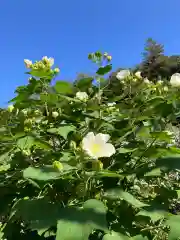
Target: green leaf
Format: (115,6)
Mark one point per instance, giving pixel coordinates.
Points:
(117,193)
(39,213)
(154,215)
(63,87)
(115,236)
(84,83)
(49,98)
(4,167)
(173,221)
(104,70)
(4,157)
(62,131)
(169,163)
(42,144)
(80,223)
(98,213)
(127,150)
(41,73)
(25,142)
(155,172)
(139,237)
(106,173)
(44,173)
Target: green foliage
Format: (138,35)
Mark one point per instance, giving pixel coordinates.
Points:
(90,161)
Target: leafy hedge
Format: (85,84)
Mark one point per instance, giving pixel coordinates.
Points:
(79,163)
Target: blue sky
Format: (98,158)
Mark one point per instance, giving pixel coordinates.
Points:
(69,29)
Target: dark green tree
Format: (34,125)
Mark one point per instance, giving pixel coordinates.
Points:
(153,60)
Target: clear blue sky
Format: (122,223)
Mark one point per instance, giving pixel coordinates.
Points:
(69,29)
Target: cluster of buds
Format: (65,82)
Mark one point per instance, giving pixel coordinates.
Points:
(45,63)
(99,57)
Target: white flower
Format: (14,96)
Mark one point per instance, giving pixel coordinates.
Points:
(123,74)
(50,60)
(175,80)
(82,96)
(96,146)
(146,81)
(111,104)
(55,114)
(138,74)
(10,108)
(28,63)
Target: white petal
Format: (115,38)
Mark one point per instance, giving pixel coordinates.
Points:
(175,80)
(138,74)
(102,137)
(123,74)
(87,140)
(107,150)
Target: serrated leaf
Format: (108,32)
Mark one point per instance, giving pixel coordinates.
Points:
(25,142)
(63,87)
(117,193)
(104,70)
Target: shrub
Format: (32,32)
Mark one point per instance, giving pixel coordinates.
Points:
(77,164)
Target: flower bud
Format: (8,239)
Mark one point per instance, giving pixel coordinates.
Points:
(57,165)
(109,58)
(56,70)
(55,114)
(10,108)
(49,61)
(97,165)
(28,63)
(166,89)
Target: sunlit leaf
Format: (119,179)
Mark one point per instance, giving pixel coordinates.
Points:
(80,223)
(62,131)
(115,236)
(173,221)
(104,70)
(117,193)
(25,142)
(44,173)
(63,87)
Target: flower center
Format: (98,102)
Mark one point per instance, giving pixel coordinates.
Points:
(95,148)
